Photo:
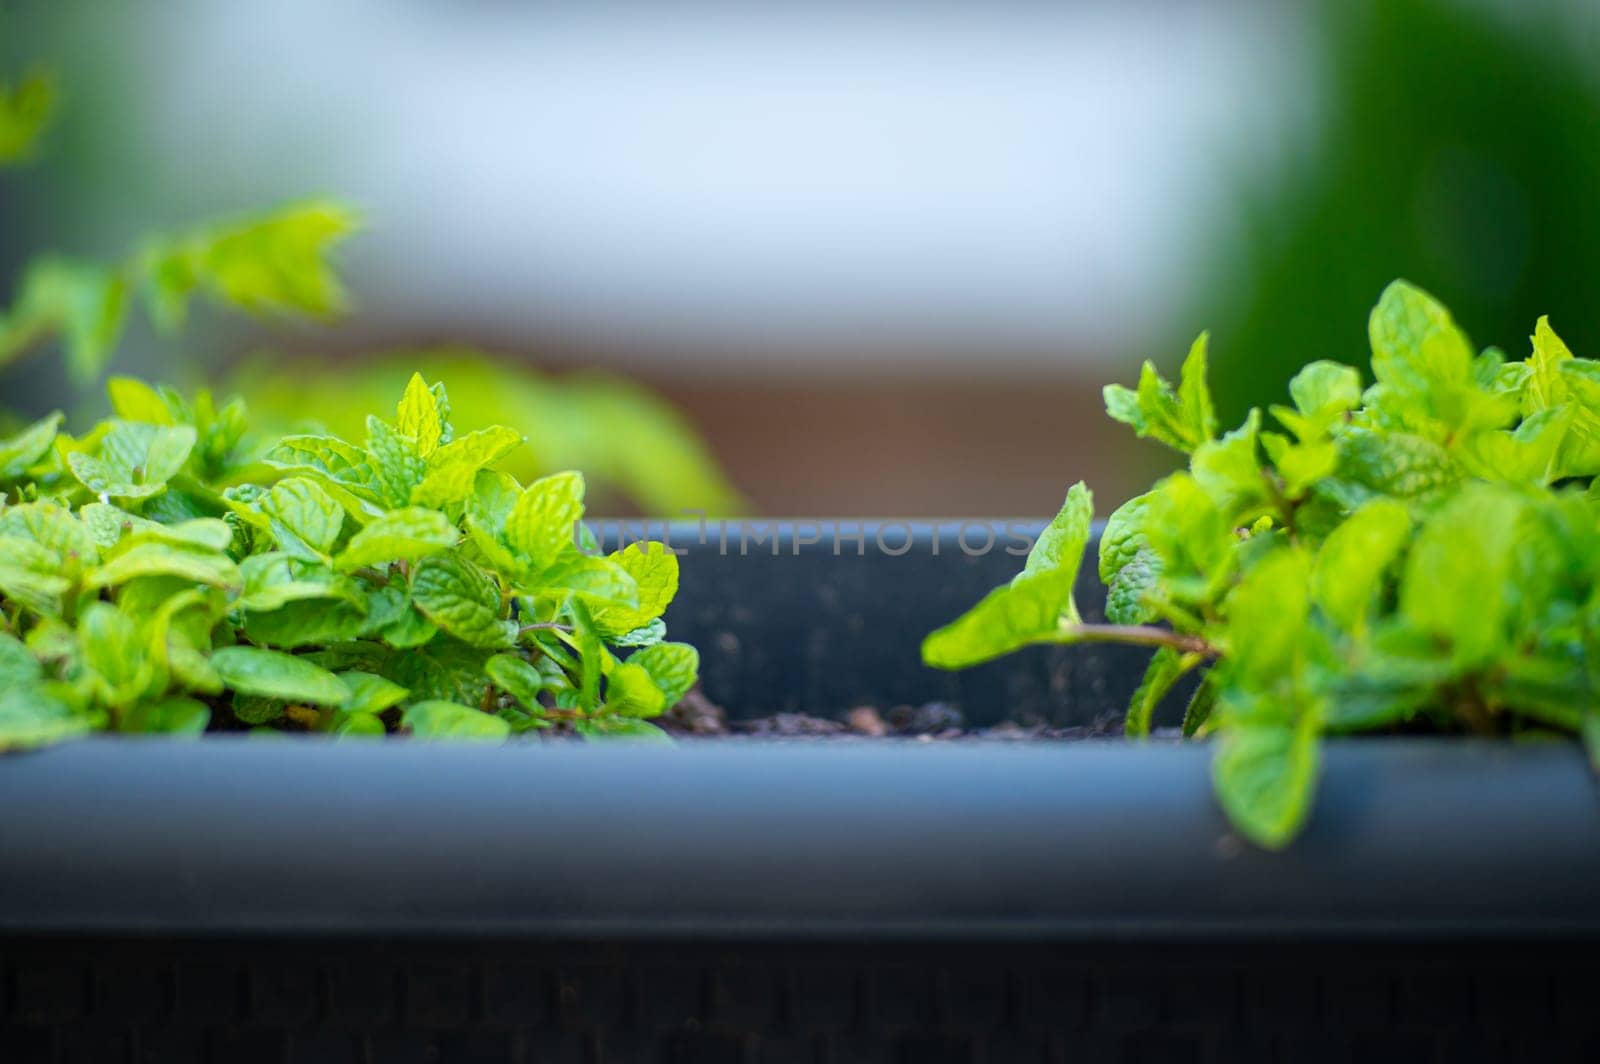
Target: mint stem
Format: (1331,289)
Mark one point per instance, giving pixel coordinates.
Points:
(1146,636)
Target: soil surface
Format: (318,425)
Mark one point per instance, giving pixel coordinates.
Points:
(697,717)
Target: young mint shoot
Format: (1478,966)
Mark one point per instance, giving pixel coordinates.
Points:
(1423,552)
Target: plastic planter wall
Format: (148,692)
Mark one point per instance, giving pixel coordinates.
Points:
(240,900)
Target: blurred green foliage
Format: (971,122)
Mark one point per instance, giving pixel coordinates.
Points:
(628,441)
(25,111)
(1458,145)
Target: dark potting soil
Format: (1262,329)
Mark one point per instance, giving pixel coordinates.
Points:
(696,717)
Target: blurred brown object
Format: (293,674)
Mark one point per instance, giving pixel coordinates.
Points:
(835,445)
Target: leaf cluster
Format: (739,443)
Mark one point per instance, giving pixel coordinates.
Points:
(164,573)
(1419,553)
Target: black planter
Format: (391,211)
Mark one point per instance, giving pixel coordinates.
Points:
(240,900)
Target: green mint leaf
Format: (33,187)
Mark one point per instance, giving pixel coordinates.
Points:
(369,692)
(449,720)
(1229,470)
(1416,347)
(1455,582)
(306,520)
(1060,545)
(1194,395)
(392,618)
(133,460)
(460,598)
(1266,613)
(630,729)
(84,303)
(453,468)
(654,571)
(672,667)
(1265,778)
(1166,667)
(631,692)
(1353,560)
(162,559)
(305,623)
(273,674)
(1197,714)
(30,717)
(344,468)
(26,110)
(517,677)
(1033,609)
(134,400)
(1323,390)
(443,669)
(18,667)
(418,415)
(408,534)
(270,263)
(19,452)
(168,716)
(1132,594)
(396,467)
(540,526)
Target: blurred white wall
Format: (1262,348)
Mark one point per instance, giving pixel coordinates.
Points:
(913,180)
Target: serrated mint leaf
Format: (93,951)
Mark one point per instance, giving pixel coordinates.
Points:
(1131,593)
(1123,536)
(392,618)
(452,469)
(654,570)
(275,579)
(494,496)
(345,470)
(649,635)
(418,415)
(273,674)
(397,468)
(53,527)
(672,667)
(1060,545)
(306,519)
(450,720)
(1265,777)
(133,460)
(539,527)
(407,534)
(443,669)
(460,598)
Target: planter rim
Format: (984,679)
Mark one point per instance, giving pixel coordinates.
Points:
(229,835)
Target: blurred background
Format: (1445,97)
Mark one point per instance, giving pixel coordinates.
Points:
(880,258)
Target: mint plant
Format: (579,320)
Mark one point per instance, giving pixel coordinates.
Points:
(164,573)
(1423,552)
